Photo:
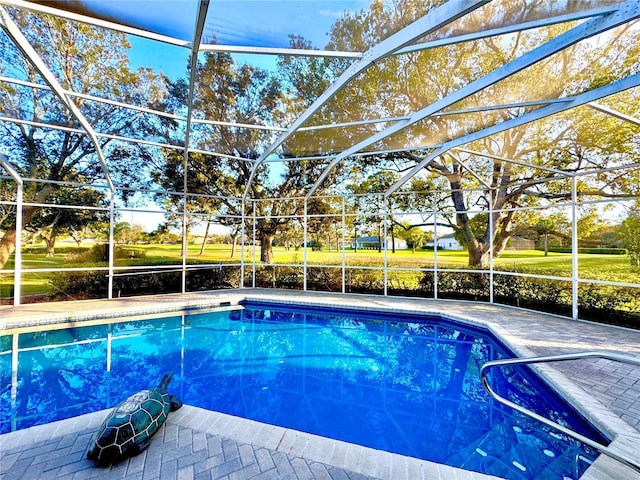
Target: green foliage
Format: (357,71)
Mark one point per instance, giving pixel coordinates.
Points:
(630,235)
(213,279)
(92,61)
(78,285)
(129,252)
(600,303)
(42,250)
(85,255)
(414,236)
(99,253)
(552,296)
(279,277)
(611,304)
(458,285)
(478,224)
(84,285)
(593,251)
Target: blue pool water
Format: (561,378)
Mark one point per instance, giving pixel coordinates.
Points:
(404,384)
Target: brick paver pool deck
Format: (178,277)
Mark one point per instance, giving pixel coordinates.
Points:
(199,444)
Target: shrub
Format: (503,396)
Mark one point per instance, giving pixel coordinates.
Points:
(610,304)
(78,285)
(593,251)
(324,279)
(129,252)
(457,285)
(363,280)
(99,253)
(213,279)
(551,296)
(147,284)
(278,277)
(42,250)
(96,254)
(92,284)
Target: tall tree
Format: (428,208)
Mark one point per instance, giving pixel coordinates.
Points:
(576,141)
(228,92)
(630,235)
(60,218)
(86,60)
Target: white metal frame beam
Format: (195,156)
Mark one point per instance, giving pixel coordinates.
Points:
(76,17)
(568,17)
(515,162)
(17,276)
(280,129)
(32,56)
(579,100)
(624,13)
(193,64)
(516,27)
(41,8)
(123,139)
(434,20)
(614,113)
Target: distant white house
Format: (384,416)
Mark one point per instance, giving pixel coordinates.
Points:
(446,242)
(371,243)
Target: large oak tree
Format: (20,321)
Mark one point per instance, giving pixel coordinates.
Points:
(235,95)
(577,141)
(86,60)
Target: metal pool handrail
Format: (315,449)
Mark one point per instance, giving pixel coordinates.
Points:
(559,358)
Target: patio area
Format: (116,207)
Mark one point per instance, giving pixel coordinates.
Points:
(196,443)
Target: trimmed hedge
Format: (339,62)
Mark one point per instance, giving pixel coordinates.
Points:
(91,284)
(600,303)
(42,250)
(593,251)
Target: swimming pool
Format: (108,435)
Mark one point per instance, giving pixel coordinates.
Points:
(405,384)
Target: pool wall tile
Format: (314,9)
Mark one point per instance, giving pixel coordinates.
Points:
(339,455)
(399,467)
(383,464)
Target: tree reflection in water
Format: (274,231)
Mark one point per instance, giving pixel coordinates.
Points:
(408,385)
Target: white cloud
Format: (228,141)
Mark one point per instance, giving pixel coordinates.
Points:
(330,13)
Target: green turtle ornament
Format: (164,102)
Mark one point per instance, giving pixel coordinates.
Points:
(128,429)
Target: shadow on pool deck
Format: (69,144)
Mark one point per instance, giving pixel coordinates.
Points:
(200,444)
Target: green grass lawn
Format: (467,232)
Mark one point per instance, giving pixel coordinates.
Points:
(594,267)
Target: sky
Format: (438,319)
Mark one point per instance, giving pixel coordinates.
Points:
(252,23)
(257,23)
(262,23)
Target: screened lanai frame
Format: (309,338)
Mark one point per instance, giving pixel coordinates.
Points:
(589,22)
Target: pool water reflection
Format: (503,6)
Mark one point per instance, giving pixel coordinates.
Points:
(404,384)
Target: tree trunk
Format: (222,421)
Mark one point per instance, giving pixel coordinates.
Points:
(355,235)
(7,245)
(50,243)
(546,244)
(234,239)
(477,250)
(266,251)
(204,240)
(8,241)
(393,240)
(478,257)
